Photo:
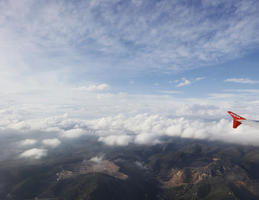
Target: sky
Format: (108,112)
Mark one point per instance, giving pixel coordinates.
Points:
(110,68)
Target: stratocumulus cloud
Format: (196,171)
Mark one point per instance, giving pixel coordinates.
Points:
(34,153)
(177,119)
(73,133)
(27,142)
(117,140)
(51,142)
(121,130)
(148,129)
(142,121)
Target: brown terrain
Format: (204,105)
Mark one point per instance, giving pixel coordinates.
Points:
(195,175)
(182,169)
(89,166)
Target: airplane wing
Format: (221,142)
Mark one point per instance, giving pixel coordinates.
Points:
(237,120)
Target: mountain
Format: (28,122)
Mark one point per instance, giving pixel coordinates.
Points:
(177,169)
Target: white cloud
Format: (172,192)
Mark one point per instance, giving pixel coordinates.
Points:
(222,95)
(34,153)
(20,125)
(170,92)
(146,129)
(121,119)
(147,138)
(27,142)
(184,82)
(241,80)
(116,140)
(51,142)
(251,91)
(73,133)
(122,130)
(199,78)
(94,87)
(97,159)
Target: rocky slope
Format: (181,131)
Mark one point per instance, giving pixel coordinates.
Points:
(181,169)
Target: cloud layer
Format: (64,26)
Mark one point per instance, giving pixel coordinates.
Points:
(149,129)
(125,119)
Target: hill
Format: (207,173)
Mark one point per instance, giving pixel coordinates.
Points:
(179,169)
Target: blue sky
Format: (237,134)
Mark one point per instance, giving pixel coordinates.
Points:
(102,58)
(134,46)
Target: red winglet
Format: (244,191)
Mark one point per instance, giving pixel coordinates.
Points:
(236,119)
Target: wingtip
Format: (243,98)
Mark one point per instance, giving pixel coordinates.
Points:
(236,119)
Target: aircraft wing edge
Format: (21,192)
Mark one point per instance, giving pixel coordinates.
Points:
(237,119)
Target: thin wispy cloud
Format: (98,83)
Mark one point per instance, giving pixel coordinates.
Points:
(111,35)
(49,47)
(251,91)
(199,78)
(184,81)
(222,95)
(242,80)
(171,92)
